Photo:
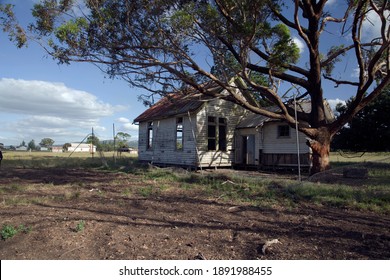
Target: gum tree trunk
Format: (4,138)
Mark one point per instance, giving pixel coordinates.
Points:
(320,151)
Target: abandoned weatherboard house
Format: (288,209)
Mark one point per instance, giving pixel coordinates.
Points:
(196,131)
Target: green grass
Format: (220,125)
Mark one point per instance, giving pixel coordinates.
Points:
(80,226)
(9,231)
(372,194)
(19,159)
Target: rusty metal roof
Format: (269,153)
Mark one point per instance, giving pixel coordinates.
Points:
(190,100)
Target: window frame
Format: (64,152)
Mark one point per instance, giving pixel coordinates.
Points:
(179,146)
(282,129)
(217,129)
(222,138)
(149,136)
(211,137)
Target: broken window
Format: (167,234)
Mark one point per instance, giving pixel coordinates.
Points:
(150,135)
(179,134)
(222,134)
(217,134)
(212,134)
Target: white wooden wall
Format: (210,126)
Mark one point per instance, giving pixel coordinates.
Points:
(220,109)
(164,143)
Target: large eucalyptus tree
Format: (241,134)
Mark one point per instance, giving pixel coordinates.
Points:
(165,45)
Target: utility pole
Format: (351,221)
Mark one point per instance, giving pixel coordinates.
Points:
(297,136)
(93,139)
(113,134)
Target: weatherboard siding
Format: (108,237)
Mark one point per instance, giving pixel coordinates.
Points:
(164,143)
(195,146)
(271,143)
(220,109)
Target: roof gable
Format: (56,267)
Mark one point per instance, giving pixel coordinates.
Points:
(169,106)
(175,104)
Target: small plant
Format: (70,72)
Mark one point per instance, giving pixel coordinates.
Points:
(9,231)
(24,229)
(80,226)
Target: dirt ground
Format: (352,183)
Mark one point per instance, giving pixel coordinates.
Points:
(174,224)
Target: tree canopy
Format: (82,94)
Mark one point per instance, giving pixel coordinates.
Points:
(170,45)
(46,142)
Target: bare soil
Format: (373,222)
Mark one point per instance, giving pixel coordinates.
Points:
(177,223)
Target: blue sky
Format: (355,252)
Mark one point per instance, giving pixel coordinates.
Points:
(39,98)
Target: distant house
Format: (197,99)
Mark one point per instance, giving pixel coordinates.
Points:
(57,149)
(21,148)
(81,147)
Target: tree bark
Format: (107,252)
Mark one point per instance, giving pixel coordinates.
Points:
(320,147)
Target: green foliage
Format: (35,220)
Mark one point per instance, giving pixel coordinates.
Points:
(282,49)
(8,25)
(46,142)
(9,231)
(122,139)
(69,31)
(369,130)
(31,145)
(80,226)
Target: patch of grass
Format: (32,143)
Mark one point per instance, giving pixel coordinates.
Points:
(127,192)
(161,175)
(9,231)
(370,195)
(12,188)
(147,191)
(80,226)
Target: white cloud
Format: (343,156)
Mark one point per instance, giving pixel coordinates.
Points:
(127,126)
(372,25)
(330,2)
(299,43)
(334,102)
(123,120)
(130,126)
(355,73)
(38,109)
(50,99)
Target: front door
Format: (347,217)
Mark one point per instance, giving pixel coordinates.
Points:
(248,149)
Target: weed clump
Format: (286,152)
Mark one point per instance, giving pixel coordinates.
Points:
(80,226)
(9,231)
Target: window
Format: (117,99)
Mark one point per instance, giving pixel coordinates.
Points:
(222,134)
(216,134)
(179,134)
(212,134)
(150,135)
(283,131)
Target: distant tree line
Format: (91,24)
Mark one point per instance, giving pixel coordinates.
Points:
(121,141)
